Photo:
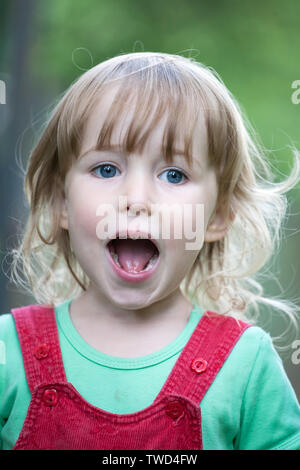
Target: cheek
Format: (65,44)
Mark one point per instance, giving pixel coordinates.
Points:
(187,224)
(82,212)
(183,234)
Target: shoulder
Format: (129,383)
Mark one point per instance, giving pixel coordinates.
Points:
(254,339)
(267,366)
(252,357)
(11,356)
(257,343)
(7,326)
(11,362)
(10,351)
(255,351)
(270,409)
(6,329)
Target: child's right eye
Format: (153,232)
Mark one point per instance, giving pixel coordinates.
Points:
(105,171)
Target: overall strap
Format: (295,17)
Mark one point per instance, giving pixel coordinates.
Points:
(204,355)
(38,337)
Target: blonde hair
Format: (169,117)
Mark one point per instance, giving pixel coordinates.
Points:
(225,275)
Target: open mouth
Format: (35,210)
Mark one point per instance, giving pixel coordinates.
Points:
(133,256)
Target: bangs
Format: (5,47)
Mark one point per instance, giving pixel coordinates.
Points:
(160,91)
(153,105)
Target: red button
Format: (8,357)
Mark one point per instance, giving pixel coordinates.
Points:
(41,351)
(50,397)
(199,365)
(174,409)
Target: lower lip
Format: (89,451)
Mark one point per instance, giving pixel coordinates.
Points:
(131,277)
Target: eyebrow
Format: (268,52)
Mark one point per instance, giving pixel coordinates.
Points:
(117,149)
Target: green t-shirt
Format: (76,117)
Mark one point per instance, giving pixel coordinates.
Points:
(250,405)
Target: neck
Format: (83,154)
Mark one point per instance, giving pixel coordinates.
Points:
(129,332)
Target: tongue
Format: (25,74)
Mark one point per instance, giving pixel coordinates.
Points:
(134,254)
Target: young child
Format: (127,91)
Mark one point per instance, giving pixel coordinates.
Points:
(141,339)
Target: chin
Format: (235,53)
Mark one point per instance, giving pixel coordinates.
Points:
(131,300)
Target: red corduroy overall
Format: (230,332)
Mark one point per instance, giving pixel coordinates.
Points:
(59,417)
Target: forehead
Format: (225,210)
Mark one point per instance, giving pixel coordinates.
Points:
(126,122)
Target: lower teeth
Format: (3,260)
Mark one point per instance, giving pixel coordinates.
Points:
(151,262)
(149,265)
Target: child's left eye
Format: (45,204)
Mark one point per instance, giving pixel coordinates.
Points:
(175,175)
(109,171)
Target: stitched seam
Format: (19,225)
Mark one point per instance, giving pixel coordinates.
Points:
(288,443)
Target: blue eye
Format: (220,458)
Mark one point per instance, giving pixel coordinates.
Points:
(174,176)
(106,171)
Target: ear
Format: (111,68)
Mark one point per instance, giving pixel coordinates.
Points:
(63,210)
(218,226)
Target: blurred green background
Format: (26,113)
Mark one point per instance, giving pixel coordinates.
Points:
(253,45)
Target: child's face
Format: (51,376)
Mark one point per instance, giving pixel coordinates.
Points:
(142,179)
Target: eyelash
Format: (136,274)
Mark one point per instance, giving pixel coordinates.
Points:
(111,165)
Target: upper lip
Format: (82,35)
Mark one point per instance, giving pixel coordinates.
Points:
(134,234)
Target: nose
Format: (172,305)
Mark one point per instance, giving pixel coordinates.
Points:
(136,193)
